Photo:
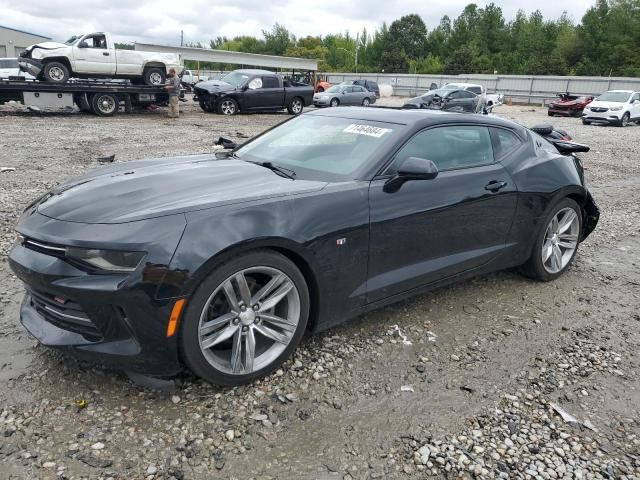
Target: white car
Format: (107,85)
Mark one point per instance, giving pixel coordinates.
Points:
(191,78)
(9,68)
(94,55)
(617,107)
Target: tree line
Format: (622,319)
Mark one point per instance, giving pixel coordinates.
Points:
(480,40)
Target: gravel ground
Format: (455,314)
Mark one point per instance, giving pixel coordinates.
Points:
(496,377)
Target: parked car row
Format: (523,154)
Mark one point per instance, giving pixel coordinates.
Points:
(615,107)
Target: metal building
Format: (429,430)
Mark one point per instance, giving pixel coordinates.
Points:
(236,58)
(14,41)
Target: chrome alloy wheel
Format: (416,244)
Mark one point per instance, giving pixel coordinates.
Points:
(227,107)
(155,78)
(560,240)
(249,320)
(296,106)
(106,104)
(56,74)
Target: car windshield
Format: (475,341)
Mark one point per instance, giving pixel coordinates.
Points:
(72,40)
(334,89)
(441,92)
(8,63)
(614,97)
(236,78)
(319,147)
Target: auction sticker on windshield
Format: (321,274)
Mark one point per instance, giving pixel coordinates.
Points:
(368,130)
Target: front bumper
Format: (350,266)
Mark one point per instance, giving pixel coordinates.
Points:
(30,66)
(321,102)
(608,116)
(116,319)
(568,111)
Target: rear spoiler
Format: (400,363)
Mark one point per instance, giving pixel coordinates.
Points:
(565,147)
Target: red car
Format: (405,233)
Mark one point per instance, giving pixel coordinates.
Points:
(570,105)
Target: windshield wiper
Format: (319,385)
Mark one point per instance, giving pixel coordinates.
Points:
(283,172)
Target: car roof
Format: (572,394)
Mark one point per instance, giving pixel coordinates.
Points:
(620,91)
(463,85)
(255,71)
(418,118)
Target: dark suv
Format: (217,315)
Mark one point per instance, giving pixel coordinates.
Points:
(369,85)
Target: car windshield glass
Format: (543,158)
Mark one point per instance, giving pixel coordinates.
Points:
(334,89)
(236,78)
(8,63)
(614,97)
(72,40)
(321,148)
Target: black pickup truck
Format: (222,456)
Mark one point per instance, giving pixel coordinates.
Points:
(252,90)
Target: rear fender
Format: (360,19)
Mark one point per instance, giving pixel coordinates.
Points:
(590,215)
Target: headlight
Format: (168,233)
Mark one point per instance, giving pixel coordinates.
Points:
(615,109)
(109,260)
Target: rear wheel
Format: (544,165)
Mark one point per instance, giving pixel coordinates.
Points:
(551,114)
(586,122)
(334,102)
(55,72)
(155,76)
(104,104)
(556,242)
(366,102)
(245,319)
(295,107)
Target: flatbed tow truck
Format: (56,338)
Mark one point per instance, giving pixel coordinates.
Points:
(102,97)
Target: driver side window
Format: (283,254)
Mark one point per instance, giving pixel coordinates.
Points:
(450,148)
(96,41)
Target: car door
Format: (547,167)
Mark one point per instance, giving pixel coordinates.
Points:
(461,101)
(429,230)
(264,93)
(92,55)
(635,106)
(359,94)
(349,97)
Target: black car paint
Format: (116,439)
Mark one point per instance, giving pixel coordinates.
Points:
(427,234)
(211,92)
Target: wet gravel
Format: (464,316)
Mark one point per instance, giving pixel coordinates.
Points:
(470,381)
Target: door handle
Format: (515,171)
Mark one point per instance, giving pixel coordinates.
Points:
(106,54)
(494,186)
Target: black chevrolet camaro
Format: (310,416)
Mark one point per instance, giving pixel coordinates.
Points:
(223,264)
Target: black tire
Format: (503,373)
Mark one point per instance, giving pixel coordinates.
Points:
(334,102)
(551,114)
(586,122)
(534,267)
(55,72)
(227,106)
(626,118)
(205,105)
(154,76)
(83,102)
(489,103)
(104,104)
(366,102)
(189,333)
(296,106)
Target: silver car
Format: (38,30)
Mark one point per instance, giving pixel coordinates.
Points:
(344,95)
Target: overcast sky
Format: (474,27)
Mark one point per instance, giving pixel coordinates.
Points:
(160,21)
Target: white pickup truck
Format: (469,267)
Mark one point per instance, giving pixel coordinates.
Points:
(94,56)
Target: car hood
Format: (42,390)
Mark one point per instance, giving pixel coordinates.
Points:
(601,104)
(145,189)
(45,46)
(215,86)
(567,102)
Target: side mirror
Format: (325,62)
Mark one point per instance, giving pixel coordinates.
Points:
(244,87)
(413,168)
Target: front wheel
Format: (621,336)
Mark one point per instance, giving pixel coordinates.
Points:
(334,102)
(556,242)
(227,106)
(245,319)
(624,121)
(55,72)
(295,106)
